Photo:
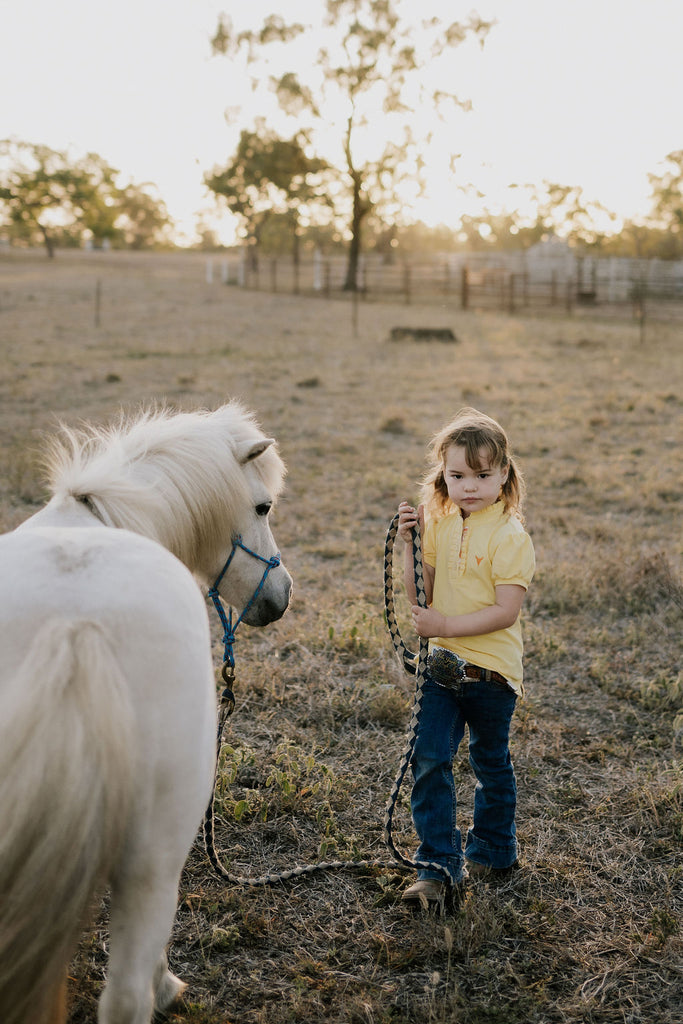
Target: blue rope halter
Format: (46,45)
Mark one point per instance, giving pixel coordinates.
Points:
(229,627)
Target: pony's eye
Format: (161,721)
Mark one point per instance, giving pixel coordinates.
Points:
(264,508)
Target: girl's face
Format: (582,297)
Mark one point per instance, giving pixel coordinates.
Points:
(472,489)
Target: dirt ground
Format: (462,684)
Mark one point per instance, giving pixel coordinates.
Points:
(589,930)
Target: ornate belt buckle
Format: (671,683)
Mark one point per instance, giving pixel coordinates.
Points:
(445,667)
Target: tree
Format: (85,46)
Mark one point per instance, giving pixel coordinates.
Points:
(382,71)
(41,190)
(556,210)
(638,240)
(564,209)
(269,177)
(47,195)
(667,205)
(94,198)
(142,220)
(418,238)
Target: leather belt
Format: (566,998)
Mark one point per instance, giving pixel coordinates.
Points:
(488,675)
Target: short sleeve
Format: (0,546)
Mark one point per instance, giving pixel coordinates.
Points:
(514,561)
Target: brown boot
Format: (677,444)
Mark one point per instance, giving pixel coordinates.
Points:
(485,873)
(424,892)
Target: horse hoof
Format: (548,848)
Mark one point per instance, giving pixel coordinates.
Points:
(168,991)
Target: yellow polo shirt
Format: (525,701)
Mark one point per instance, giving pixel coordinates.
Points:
(470,557)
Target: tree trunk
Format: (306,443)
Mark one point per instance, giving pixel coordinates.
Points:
(48,241)
(360,208)
(296,244)
(252,258)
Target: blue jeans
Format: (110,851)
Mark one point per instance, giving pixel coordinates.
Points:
(487,709)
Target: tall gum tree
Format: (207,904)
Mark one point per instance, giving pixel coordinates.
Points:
(365,90)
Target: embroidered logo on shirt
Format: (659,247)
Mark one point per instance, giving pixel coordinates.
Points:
(479,558)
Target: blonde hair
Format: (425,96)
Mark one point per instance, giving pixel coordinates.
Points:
(476,433)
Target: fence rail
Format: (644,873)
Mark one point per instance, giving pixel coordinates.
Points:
(462,286)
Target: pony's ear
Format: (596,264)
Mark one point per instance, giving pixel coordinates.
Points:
(248,450)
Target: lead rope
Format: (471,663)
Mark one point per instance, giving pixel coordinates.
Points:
(411,664)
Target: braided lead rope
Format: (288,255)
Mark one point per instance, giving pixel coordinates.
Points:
(269,879)
(406,658)
(413,666)
(226,709)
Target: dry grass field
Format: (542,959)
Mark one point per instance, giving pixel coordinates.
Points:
(590,929)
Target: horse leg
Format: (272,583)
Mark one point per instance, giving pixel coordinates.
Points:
(141,917)
(57,1013)
(167,988)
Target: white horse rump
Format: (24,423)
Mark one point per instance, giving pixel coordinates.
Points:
(107,692)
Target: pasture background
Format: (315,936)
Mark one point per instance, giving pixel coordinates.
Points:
(590,929)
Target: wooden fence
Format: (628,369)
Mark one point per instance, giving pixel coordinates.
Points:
(460,286)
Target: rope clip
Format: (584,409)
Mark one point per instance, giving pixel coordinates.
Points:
(227,696)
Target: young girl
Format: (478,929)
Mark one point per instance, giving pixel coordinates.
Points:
(478,562)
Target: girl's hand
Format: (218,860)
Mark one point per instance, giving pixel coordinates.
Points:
(428,622)
(408,519)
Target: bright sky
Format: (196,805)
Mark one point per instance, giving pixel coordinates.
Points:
(586,93)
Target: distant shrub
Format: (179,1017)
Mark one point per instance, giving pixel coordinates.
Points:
(640,583)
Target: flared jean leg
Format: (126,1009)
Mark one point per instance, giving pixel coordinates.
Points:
(433,799)
(492,840)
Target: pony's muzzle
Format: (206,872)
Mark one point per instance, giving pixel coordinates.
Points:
(272,602)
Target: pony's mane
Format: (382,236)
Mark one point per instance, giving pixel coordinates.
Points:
(171,476)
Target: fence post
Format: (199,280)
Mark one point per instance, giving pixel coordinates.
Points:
(354,311)
(317,269)
(273,274)
(570,294)
(511,302)
(553,289)
(639,291)
(465,288)
(406,283)
(328,278)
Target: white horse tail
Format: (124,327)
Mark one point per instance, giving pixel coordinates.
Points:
(65,776)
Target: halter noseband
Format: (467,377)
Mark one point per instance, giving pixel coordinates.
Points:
(229,628)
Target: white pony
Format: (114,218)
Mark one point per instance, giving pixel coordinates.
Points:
(107,692)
